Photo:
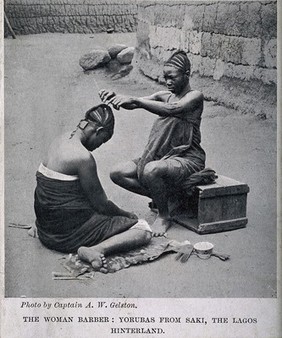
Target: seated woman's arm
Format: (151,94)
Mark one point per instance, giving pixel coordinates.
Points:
(187,103)
(158,96)
(108,97)
(91,185)
(156,103)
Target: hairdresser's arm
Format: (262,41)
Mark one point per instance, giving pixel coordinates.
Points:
(108,96)
(189,102)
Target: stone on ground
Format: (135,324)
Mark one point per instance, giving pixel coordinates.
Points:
(115,49)
(94,59)
(126,55)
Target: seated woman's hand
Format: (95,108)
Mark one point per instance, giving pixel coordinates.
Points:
(123,101)
(106,95)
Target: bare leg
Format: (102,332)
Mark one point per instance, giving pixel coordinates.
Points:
(125,175)
(154,180)
(125,241)
(153,186)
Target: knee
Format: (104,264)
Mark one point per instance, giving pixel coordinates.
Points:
(147,235)
(153,171)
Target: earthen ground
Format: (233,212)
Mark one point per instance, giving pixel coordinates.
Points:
(47,92)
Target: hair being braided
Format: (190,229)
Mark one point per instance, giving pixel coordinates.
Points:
(102,115)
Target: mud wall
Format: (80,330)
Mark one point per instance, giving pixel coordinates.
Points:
(232,46)
(223,38)
(71,16)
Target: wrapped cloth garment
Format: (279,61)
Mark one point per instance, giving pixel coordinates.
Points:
(205,176)
(185,198)
(65,219)
(177,139)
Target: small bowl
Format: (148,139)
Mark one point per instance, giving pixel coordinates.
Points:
(203,249)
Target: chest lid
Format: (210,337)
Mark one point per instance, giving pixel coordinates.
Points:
(222,186)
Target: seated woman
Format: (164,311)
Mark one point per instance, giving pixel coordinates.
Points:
(73,213)
(173,152)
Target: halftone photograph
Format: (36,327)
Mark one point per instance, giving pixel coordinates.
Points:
(140,149)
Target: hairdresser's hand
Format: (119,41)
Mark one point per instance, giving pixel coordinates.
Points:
(123,101)
(106,95)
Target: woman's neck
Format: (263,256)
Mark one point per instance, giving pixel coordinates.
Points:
(184,91)
(78,134)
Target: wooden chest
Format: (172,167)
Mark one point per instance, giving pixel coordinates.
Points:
(217,207)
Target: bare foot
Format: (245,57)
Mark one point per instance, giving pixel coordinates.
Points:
(160,226)
(93,256)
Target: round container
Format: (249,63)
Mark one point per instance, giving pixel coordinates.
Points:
(203,249)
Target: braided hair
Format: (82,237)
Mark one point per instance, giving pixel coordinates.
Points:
(102,115)
(179,60)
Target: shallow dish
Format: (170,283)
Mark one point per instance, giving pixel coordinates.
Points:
(203,249)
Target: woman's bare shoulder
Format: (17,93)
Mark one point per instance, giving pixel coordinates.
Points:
(76,152)
(196,94)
